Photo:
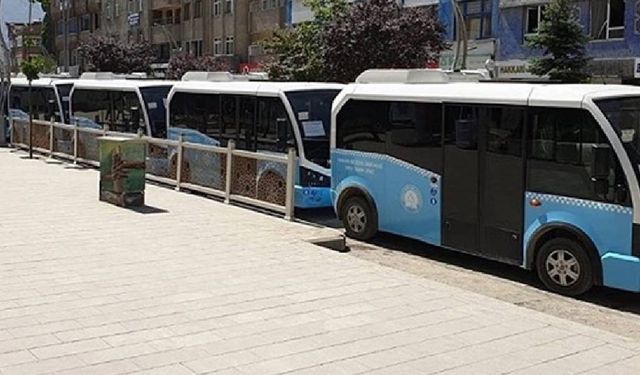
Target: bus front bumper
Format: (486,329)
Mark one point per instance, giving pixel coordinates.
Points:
(621,271)
(312,197)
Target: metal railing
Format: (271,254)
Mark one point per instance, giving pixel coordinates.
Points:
(258,179)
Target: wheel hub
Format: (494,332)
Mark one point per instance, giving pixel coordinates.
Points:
(356,218)
(562,267)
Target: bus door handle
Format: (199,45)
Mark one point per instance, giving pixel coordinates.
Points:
(535,202)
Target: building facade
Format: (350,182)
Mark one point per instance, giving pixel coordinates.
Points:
(498,29)
(25,40)
(230,29)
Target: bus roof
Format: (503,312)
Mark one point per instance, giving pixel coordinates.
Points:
(41,82)
(251,87)
(119,84)
(554,95)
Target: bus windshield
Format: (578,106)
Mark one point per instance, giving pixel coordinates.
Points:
(154,99)
(312,111)
(624,115)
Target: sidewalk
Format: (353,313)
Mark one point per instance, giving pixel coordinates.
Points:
(196,286)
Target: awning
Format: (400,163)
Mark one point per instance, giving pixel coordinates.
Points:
(521,3)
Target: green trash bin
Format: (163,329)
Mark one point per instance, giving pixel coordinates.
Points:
(122,170)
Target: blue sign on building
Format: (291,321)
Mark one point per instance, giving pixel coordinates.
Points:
(498,29)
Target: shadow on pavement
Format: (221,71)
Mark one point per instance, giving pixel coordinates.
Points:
(146,210)
(606,297)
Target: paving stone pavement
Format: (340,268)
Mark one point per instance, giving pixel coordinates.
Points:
(196,287)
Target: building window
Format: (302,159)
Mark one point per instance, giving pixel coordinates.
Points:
(228,6)
(85,22)
(607,19)
(216,7)
(228,46)
(196,47)
(187,11)
(217,47)
(197,9)
(533,18)
(477,18)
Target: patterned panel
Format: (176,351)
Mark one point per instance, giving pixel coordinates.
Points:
(581,203)
(203,168)
(244,175)
(158,161)
(88,146)
(19,132)
(63,141)
(272,182)
(40,136)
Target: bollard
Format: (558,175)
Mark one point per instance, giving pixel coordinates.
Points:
(289,203)
(227,188)
(75,142)
(51,128)
(179,165)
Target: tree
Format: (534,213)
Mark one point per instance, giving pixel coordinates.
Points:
(31,68)
(48,31)
(381,34)
(563,42)
(184,62)
(298,53)
(102,54)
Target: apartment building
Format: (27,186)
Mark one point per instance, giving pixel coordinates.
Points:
(24,41)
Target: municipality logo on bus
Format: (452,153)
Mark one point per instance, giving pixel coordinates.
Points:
(411,198)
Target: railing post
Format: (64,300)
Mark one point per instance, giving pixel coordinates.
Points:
(105,130)
(180,158)
(227,188)
(51,128)
(289,200)
(76,138)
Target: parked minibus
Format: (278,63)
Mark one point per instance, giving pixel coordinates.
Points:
(541,176)
(99,100)
(50,96)
(264,117)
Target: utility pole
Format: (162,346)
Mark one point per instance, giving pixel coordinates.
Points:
(64,8)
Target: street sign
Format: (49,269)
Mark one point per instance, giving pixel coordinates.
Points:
(134,19)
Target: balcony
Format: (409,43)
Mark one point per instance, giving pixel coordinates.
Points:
(161,4)
(166,34)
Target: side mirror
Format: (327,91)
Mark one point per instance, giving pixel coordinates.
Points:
(600,161)
(135,120)
(600,166)
(51,108)
(283,133)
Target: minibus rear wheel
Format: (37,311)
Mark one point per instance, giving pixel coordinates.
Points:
(564,267)
(359,218)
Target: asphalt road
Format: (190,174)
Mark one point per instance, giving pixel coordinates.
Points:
(608,309)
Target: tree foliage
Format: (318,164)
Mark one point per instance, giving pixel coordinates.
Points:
(33,66)
(102,54)
(343,40)
(381,34)
(184,62)
(299,52)
(48,30)
(563,42)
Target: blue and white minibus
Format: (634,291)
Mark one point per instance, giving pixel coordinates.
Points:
(45,91)
(261,117)
(541,176)
(103,99)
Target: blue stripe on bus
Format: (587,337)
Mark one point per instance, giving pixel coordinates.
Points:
(407,201)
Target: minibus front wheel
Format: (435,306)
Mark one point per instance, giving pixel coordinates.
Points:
(564,267)
(359,218)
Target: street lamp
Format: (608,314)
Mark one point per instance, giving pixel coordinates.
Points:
(65,5)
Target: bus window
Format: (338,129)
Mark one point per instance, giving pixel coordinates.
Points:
(560,144)
(414,134)
(91,108)
(123,102)
(198,112)
(40,102)
(154,99)
(361,125)
(246,122)
(64,91)
(229,124)
(269,111)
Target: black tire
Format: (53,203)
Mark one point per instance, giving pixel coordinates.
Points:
(572,275)
(359,218)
